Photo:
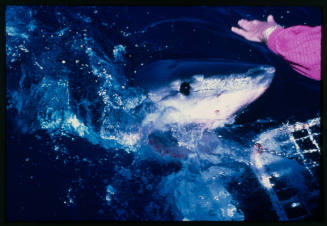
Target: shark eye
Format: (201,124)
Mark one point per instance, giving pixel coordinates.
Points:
(185,88)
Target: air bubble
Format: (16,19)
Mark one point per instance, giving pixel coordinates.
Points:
(295,204)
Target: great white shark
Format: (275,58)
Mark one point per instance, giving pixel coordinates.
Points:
(210,92)
(204,92)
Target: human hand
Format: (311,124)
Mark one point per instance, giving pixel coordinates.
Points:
(256,30)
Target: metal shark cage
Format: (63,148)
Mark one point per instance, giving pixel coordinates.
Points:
(299,142)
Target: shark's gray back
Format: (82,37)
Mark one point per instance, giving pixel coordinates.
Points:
(163,72)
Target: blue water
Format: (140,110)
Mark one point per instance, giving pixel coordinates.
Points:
(71,101)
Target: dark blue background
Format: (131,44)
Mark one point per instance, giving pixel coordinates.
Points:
(37,187)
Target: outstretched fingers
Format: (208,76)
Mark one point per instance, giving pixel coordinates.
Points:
(253,30)
(245,24)
(271,19)
(239,31)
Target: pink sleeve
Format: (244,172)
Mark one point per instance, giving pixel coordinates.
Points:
(300,46)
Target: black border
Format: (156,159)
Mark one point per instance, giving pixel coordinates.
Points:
(319,3)
(2,113)
(168,2)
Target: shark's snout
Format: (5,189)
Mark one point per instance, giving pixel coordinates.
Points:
(264,75)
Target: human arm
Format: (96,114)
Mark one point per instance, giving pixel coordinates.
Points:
(298,45)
